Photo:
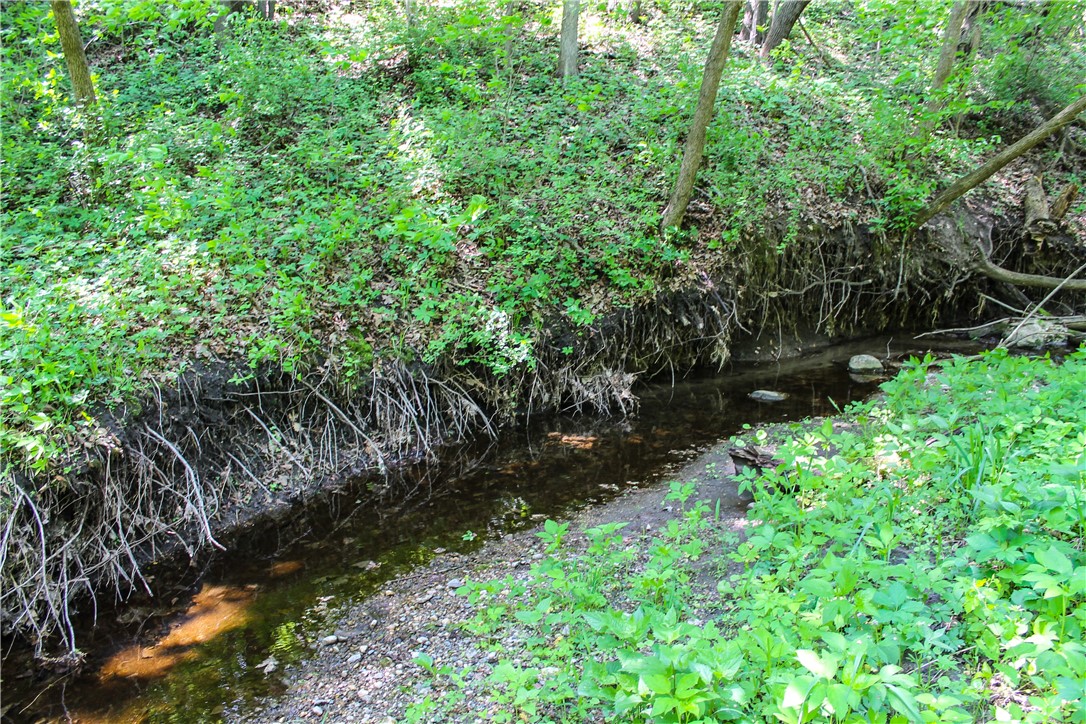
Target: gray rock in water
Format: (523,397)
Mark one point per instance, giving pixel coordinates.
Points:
(864,364)
(1037,334)
(768,396)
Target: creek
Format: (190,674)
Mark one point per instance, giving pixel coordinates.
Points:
(198,654)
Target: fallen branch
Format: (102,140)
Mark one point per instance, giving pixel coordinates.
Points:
(1036,307)
(1071,322)
(984,265)
(975,178)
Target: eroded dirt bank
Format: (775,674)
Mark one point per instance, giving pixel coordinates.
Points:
(220,446)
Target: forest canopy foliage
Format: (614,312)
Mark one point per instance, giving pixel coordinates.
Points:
(334,185)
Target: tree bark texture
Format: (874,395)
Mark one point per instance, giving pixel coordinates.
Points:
(952,36)
(984,172)
(695,139)
(1035,203)
(567,51)
(264,8)
(784,18)
(1035,281)
(754,17)
(1063,201)
(74,56)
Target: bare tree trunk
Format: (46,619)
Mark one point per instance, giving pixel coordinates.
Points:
(754,17)
(749,9)
(567,52)
(975,178)
(1035,203)
(507,47)
(761,17)
(228,7)
(634,15)
(695,139)
(952,35)
(784,18)
(72,44)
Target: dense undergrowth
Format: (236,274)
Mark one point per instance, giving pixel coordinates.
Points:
(335,188)
(390,235)
(920,560)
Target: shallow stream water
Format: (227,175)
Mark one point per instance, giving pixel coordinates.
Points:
(194,657)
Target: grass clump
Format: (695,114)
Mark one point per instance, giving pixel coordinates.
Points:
(930,569)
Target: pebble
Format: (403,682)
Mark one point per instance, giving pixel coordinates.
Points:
(354,658)
(454,583)
(317,710)
(329,640)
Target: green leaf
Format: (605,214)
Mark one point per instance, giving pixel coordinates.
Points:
(794,695)
(904,702)
(823,666)
(838,696)
(657,683)
(1054,560)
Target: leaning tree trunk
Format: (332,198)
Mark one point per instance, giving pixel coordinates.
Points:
(952,36)
(695,139)
(1063,201)
(784,18)
(74,56)
(567,51)
(975,178)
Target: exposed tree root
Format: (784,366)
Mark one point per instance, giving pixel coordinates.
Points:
(179,473)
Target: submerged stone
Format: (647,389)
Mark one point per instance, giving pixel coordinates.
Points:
(768,396)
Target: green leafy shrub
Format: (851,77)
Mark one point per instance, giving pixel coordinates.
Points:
(931,564)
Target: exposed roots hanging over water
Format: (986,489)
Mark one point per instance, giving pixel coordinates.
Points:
(208,453)
(205,449)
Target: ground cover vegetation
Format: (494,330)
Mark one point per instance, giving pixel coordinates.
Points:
(349,195)
(919,560)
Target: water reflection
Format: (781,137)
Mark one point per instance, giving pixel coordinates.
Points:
(214,610)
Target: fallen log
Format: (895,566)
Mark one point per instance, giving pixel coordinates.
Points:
(1015,330)
(985,171)
(1039,223)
